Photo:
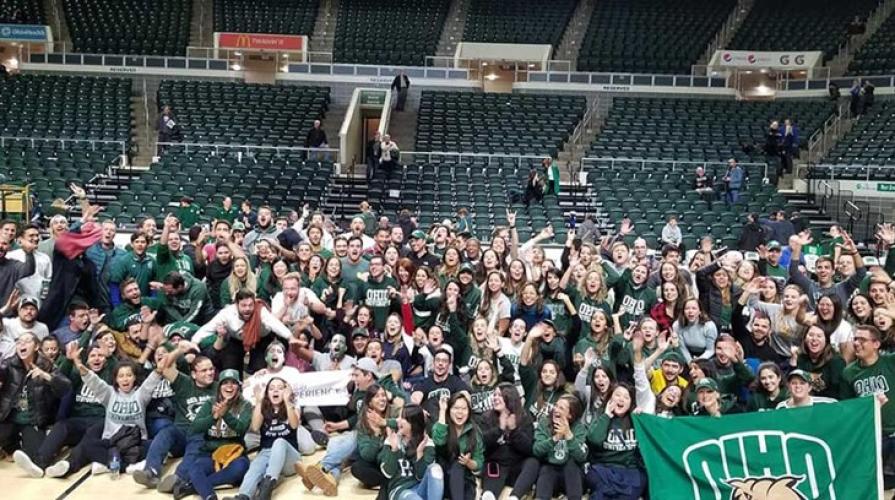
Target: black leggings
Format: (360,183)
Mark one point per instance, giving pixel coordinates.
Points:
(551,476)
(521,475)
(370,476)
(25,437)
(90,449)
(456,485)
(66,432)
(232,356)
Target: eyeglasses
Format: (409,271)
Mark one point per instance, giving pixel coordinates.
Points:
(863,340)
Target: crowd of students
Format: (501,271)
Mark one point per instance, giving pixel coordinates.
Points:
(472,369)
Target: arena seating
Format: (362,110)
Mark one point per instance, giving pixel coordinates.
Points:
(237,113)
(799,25)
(282,180)
(699,129)
(70,107)
(877,56)
(517,21)
(496,123)
(650,36)
(22,12)
(160,27)
(400,32)
(437,190)
(869,142)
(295,17)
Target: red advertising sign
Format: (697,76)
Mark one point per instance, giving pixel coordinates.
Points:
(260,41)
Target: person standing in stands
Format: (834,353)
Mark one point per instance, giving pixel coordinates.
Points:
(374,152)
(734,181)
(388,155)
(704,185)
(168,128)
(790,143)
(401,84)
(188,213)
(316,138)
(551,174)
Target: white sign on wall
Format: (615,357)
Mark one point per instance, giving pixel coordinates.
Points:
(770,60)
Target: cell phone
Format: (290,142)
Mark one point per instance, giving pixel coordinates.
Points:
(573,220)
(492,469)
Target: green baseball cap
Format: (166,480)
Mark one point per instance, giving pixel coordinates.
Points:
(707,383)
(419,234)
(675,357)
(182,329)
(802,374)
(774,245)
(230,374)
(466,267)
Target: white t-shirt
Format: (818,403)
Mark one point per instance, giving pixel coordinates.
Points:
(323,362)
(814,400)
(499,308)
(13,329)
(35,285)
(300,309)
(843,333)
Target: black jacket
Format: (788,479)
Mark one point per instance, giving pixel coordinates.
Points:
(129,444)
(44,395)
(507,448)
(753,235)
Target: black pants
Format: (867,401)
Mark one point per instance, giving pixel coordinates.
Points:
(567,477)
(370,476)
(522,475)
(24,437)
(66,432)
(456,485)
(232,356)
(91,448)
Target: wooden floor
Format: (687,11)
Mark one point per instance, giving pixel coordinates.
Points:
(16,484)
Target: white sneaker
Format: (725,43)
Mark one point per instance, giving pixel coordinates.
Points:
(134,467)
(58,469)
(488,496)
(24,462)
(97,468)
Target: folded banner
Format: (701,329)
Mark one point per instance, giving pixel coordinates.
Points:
(326,388)
(827,451)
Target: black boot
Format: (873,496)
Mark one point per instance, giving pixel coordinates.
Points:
(183,489)
(265,488)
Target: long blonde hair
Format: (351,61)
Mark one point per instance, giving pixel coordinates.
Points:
(235,284)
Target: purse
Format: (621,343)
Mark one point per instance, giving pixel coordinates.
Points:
(226,454)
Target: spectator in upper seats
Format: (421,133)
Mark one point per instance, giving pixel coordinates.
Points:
(188,213)
(168,128)
(374,152)
(388,158)
(868,89)
(671,233)
(246,215)
(588,231)
(316,138)
(534,187)
(551,174)
(734,180)
(790,139)
(401,84)
(753,234)
(704,185)
(856,93)
(227,211)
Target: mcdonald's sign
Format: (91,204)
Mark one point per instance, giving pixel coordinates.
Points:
(260,41)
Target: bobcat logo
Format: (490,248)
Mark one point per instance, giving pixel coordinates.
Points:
(766,488)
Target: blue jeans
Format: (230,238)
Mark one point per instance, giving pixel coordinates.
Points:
(430,488)
(609,482)
(156,425)
(732,196)
(272,462)
(171,439)
(191,453)
(204,479)
(337,451)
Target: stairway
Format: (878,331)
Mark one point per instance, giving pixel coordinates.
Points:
(56,21)
(343,195)
(201,24)
(839,64)
(332,123)
(452,34)
(727,31)
(145,115)
(324,35)
(402,127)
(570,44)
(808,208)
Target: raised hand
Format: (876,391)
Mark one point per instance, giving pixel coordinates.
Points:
(511,218)
(886,234)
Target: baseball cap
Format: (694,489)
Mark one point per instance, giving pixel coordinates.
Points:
(675,357)
(466,267)
(181,329)
(707,383)
(238,226)
(360,332)
(550,323)
(133,319)
(29,301)
(230,374)
(367,365)
(774,245)
(802,374)
(418,235)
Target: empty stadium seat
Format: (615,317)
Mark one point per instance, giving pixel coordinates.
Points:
(650,36)
(159,27)
(496,123)
(871,141)
(517,21)
(289,17)
(238,113)
(877,55)
(398,32)
(22,12)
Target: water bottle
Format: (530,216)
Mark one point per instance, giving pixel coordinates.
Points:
(115,464)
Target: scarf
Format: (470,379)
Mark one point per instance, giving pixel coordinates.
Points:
(251,333)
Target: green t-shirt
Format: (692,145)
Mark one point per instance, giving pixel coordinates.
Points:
(375,296)
(227,215)
(586,309)
(167,262)
(189,215)
(189,398)
(129,266)
(859,381)
(22,414)
(118,318)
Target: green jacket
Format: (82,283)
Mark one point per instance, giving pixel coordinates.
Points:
(229,429)
(559,452)
(469,433)
(131,266)
(189,215)
(118,317)
(425,308)
(167,262)
(402,469)
(227,215)
(612,442)
(194,306)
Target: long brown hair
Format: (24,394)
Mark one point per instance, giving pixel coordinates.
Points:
(268,410)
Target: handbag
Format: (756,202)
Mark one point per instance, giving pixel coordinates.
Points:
(226,454)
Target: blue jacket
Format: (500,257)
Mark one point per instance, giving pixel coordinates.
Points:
(736,178)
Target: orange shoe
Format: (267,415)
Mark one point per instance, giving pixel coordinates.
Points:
(323,480)
(302,472)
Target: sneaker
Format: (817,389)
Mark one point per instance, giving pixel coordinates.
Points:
(146,477)
(183,489)
(24,462)
(265,488)
(488,496)
(302,472)
(97,468)
(320,437)
(323,480)
(130,469)
(240,496)
(166,485)
(58,469)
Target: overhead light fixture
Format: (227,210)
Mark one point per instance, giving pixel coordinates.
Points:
(284,68)
(484,63)
(492,77)
(531,65)
(236,67)
(237,54)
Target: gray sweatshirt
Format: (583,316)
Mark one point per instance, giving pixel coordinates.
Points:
(123,409)
(697,337)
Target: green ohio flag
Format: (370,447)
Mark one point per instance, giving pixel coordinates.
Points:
(827,451)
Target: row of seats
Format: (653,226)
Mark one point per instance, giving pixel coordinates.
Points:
(797,25)
(496,123)
(700,129)
(877,55)
(287,17)
(871,141)
(239,113)
(517,21)
(159,27)
(399,32)
(281,180)
(22,12)
(70,107)
(650,36)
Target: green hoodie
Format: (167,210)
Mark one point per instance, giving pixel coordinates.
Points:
(374,295)
(130,266)
(402,469)
(118,318)
(559,452)
(229,429)
(612,442)
(193,306)
(561,317)
(469,433)
(167,262)
(634,301)
(370,445)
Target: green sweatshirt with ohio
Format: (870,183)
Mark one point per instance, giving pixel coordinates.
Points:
(229,429)
(611,441)
(631,300)
(559,451)
(470,441)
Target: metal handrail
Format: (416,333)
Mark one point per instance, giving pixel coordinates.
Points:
(239,147)
(460,156)
(62,140)
(674,163)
